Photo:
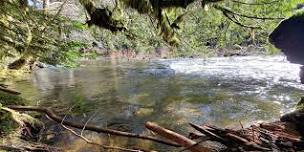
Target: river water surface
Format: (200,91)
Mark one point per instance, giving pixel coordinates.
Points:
(125,94)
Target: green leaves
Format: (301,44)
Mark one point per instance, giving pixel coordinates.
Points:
(79,26)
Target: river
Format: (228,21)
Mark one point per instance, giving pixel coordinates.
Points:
(124,95)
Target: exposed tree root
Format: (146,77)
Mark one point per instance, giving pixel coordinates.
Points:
(30,127)
(284,135)
(34,148)
(94,128)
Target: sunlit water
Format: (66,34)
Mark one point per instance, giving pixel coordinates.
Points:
(124,95)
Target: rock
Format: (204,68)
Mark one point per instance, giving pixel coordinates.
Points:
(81,36)
(300,6)
(71,9)
(289,36)
(162,52)
(297,118)
(98,45)
(18,64)
(301,74)
(300,104)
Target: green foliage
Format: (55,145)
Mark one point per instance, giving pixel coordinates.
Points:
(69,53)
(80,105)
(199,31)
(8,99)
(271,49)
(79,26)
(6,123)
(214,30)
(300,104)
(27,32)
(226,23)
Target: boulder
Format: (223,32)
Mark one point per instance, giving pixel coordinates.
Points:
(289,37)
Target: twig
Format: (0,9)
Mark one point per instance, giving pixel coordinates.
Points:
(207,132)
(229,11)
(87,123)
(239,23)
(241,124)
(260,3)
(249,144)
(94,143)
(89,141)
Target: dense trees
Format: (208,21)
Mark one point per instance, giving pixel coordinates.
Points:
(29,31)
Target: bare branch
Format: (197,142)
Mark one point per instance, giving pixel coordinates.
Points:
(229,11)
(260,3)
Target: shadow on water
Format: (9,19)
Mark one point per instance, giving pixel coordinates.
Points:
(125,95)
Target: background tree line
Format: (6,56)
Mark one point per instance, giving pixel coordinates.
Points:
(40,30)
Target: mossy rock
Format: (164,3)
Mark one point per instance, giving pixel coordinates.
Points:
(7,125)
(10,120)
(300,105)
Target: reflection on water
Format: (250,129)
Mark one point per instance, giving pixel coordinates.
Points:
(124,95)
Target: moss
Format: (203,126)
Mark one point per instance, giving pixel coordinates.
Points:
(300,105)
(8,99)
(6,123)
(300,13)
(10,120)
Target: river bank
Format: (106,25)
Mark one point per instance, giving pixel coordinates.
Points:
(169,53)
(283,135)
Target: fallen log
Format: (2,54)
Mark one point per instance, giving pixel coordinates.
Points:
(51,114)
(274,136)
(13,92)
(284,135)
(180,139)
(228,138)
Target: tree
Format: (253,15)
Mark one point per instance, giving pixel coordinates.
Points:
(170,13)
(33,32)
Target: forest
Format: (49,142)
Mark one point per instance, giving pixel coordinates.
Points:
(151,75)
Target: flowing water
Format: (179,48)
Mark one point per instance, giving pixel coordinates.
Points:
(124,95)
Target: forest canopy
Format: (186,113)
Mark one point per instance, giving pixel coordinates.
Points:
(31,31)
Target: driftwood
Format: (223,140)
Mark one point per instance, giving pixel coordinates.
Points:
(180,139)
(51,114)
(283,135)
